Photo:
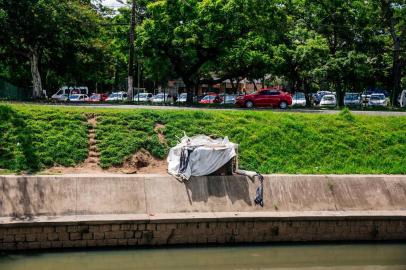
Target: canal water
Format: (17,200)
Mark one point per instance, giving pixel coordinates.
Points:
(303,257)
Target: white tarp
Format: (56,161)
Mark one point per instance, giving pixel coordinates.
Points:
(199,156)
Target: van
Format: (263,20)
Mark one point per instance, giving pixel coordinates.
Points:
(66,91)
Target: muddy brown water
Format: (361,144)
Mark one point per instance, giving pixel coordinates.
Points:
(304,257)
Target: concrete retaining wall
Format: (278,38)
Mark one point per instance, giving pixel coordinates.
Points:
(153,194)
(83,211)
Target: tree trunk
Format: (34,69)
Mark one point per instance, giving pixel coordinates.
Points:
(340,96)
(131,55)
(397,71)
(189,91)
(233,88)
(396,65)
(255,86)
(306,92)
(36,76)
(130,87)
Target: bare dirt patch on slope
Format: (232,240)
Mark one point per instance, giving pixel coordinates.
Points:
(141,162)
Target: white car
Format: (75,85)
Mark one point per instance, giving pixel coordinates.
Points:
(228,99)
(161,98)
(378,100)
(78,98)
(299,99)
(116,96)
(143,97)
(328,101)
(182,98)
(352,100)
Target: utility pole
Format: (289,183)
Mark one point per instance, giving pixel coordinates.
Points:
(131,54)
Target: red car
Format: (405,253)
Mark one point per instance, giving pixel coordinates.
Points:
(97,97)
(265,98)
(211,99)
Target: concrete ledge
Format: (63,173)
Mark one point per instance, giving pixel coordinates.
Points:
(202,217)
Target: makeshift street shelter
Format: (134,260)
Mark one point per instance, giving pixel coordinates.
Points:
(199,156)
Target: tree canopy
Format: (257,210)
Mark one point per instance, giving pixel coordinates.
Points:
(307,45)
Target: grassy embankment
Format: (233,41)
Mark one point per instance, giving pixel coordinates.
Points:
(269,142)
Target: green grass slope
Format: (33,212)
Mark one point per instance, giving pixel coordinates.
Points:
(269,142)
(36,138)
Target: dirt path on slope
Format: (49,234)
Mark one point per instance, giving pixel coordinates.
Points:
(140,162)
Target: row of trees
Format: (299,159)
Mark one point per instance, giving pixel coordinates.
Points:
(342,45)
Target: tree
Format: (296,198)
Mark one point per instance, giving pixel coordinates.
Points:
(393,15)
(46,29)
(190,34)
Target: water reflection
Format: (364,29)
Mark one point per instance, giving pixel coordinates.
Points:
(315,257)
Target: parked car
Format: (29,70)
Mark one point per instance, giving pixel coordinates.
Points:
(299,99)
(319,95)
(198,98)
(78,98)
(143,97)
(228,99)
(328,101)
(352,100)
(367,94)
(182,98)
(116,96)
(161,98)
(97,97)
(265,98)
(378,100)
(211,99)
(64,97)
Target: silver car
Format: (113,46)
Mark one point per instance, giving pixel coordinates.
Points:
(378,100)
(161,98)
(182,98)
(78,98)
(299,99)
(328,101)
(143,97)
(116,96)
(352,99)
(228,99)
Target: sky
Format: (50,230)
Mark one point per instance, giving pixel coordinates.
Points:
(112,3)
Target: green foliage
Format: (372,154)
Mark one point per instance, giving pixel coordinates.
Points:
(33,138)
(64,35)
(346,114)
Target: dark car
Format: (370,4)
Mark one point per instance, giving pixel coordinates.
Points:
(265,98)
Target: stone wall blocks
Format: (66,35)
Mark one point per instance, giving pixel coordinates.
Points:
(87,236)
(126,227)
(75,236)
(115,227)
(59,229)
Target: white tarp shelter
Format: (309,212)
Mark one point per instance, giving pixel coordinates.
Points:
(199,156)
